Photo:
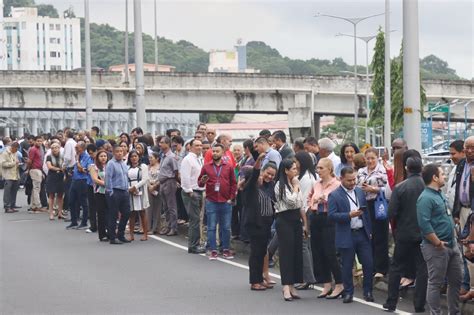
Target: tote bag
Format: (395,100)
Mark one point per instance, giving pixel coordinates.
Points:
(381,206)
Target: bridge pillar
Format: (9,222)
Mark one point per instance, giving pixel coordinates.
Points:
(47,125)
(300,117)
(317,126)
(21,127)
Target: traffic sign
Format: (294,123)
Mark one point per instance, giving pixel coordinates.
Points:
(444,108)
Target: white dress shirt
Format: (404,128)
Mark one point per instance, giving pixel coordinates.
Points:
(356,222)
(335,160)
(70,153)
(190,170)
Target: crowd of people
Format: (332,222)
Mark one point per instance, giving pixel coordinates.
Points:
(319,209)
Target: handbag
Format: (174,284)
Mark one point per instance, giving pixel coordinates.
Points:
(381,207)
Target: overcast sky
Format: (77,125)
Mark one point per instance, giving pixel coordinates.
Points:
(446,26)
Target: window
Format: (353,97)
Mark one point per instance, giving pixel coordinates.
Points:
(58,27)
(52,40)
(52,54)
(58,40)
(51,27)
(59,54)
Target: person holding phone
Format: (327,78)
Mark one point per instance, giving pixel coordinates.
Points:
(290,221)
(347,206)
(323,233)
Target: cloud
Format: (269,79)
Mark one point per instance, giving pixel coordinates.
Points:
(446,26)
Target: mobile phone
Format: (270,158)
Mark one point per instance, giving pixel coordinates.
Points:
(363,208)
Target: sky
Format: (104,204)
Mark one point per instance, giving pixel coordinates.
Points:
(446,27)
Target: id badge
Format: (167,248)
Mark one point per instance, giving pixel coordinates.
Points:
(217,187)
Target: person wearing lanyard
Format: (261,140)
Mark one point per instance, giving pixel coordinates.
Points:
(348,210)
(192,195)
(221,186)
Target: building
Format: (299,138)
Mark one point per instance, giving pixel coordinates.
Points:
(146,67)
(35,42)
(230,61)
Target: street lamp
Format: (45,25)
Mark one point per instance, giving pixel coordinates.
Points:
(366,39)
(354,21)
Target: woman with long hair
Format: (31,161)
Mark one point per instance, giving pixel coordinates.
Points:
(290,221)
(138,182)
(259,198)
(307,177)
(154,211)
(125,148)
(142,151)
(323,233)
(55,180)
(348,151)
(97,172)
(372,179)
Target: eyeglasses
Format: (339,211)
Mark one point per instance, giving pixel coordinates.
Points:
(469,148)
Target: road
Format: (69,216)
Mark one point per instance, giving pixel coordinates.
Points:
(45,269)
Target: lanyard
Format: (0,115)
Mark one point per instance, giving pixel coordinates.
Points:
(466,173)
(356,202)
(218,173)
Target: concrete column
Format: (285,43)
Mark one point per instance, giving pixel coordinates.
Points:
(299,117)
(47,125)
(317,126)
(6,132)
(34,126)
(21,127)
(60,124)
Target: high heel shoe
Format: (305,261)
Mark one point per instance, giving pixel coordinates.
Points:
(324,295)
(334,297)
(287,299)
(295,296)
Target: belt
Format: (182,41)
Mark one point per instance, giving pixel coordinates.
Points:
(465,206)
(198,191)
(357,230)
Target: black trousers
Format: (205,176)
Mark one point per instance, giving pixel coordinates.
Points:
(403,254)
(100,204)
(92,208)
(236,216)
(118,202)
(323,238)
(290,237)
(379,241)
(259,237)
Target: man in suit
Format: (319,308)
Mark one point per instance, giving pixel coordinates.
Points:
(279,140)
(348,209)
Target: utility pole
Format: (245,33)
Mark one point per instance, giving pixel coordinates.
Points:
(411,76)
(88,66)
(126,79)
(387,134)
(156,40)
(139,76)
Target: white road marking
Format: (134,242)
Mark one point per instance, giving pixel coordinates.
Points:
(235,264)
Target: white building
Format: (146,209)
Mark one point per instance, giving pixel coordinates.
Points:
(35,42)
(2,39)
(231,61)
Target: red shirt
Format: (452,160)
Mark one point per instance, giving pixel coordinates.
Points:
(34,154)
(222,176)
(228,158)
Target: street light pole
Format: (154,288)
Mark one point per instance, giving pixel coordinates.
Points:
(139,76)
(366,39)
(354,22)
(387,133)
(156,40)
(87,35)
(127,80)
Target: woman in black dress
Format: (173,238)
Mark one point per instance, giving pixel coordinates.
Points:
(55,180)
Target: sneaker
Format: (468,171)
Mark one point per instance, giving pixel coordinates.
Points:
(71,226)
(213,255)
(227,254)
(89,231)
(82,227)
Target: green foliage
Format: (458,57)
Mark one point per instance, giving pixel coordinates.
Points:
(433,67)
(216,118)
(47,10)
(343,128)
(378,88)
(8,4)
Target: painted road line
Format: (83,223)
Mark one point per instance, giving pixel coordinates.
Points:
(242,266)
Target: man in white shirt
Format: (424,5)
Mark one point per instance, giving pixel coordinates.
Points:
(192,194)
(69,154)
(326,149)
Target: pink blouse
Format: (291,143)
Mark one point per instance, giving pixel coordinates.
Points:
(322,190)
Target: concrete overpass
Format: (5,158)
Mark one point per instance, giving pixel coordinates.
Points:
(206,92)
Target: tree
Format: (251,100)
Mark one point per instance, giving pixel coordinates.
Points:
(343,128)
(8,4)
(47,10)
(378,82)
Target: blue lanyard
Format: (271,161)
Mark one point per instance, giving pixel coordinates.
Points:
(215,170)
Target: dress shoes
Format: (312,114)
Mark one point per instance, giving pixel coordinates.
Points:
(124,240)
(9,211)
(347,299)
(419,309)
(389,308)
(369,297)
(196,250)
(115,242)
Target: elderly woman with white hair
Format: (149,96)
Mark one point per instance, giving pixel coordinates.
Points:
(326,150)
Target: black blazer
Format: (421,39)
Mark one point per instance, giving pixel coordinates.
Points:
(457,204)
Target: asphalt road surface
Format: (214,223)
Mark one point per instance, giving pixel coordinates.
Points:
(45,269)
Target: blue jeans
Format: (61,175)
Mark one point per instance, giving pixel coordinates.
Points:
(218,212)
